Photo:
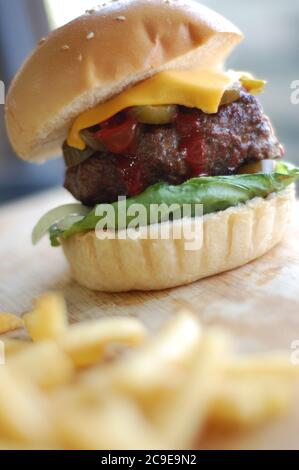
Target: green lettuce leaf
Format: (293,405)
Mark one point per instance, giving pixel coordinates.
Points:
(215,193)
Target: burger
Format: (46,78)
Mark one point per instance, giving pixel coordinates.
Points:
(136,96)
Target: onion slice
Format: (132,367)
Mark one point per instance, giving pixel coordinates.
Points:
(60,215)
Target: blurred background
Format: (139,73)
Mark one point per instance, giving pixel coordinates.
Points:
(270,51)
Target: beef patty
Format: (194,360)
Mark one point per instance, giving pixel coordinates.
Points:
(195,144)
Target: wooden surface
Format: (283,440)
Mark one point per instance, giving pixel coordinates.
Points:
(259,303)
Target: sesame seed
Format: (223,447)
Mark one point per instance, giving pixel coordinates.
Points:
(121,18)
(41,41)
(90,35)
(80,57)
(66,47)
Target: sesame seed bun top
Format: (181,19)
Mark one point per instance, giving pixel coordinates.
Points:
(101,53)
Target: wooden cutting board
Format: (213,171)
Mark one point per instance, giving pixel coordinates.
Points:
(258,304)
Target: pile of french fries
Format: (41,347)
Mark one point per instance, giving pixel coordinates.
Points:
(107,384)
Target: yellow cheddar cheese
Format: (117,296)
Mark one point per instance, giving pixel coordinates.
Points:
(202,89)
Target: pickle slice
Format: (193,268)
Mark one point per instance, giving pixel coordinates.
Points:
(253,85)
(74,157)
(91,141)
(154,114)
(262,166)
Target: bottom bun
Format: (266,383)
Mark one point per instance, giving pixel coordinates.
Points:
(225,240)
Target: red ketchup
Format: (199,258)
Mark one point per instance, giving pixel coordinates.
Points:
(192,142)
(118,135)
(131,173)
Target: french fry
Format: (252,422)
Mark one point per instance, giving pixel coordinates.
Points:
(9,322)
(115,424)
(184,413)
(257,388)
(10,445)
(43,363)
(275,363)
(12,346)
(86,343)
(60,393)
(161,362)
(23,410)
(249,401)
(49,318)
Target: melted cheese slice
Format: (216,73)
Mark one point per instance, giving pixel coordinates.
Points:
(200,89)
